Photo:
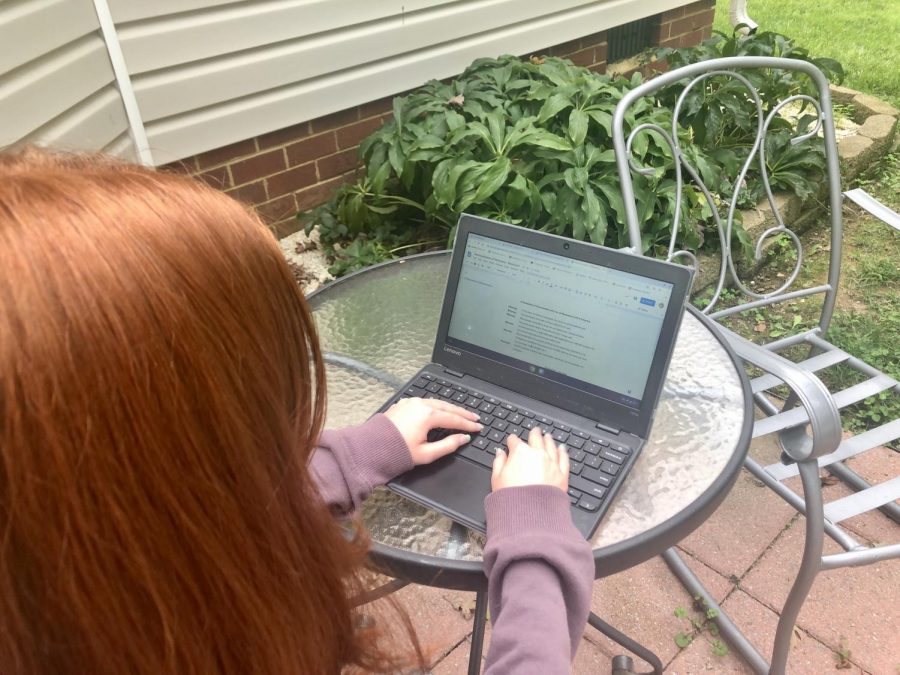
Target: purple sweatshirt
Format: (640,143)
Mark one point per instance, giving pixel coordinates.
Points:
(539,567)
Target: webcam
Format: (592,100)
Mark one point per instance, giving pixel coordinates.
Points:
(566,246)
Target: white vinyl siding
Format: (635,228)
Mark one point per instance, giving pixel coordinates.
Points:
(56,83)
(207,73)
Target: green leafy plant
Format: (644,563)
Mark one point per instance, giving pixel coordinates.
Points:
(526,142)
(722,119)
(701,623)
(529,142)
(843,656)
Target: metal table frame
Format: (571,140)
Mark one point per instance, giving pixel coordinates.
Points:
(408,567)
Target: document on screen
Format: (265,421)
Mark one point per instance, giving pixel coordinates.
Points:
(557,315)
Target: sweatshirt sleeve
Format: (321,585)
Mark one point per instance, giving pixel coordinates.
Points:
(540,571)
(349,463)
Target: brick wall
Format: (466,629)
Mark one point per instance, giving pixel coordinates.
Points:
(297,168)
(686,26)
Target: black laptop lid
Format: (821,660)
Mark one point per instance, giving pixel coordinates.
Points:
(575,325)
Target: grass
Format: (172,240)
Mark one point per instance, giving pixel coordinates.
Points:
(866,321)
(864,36)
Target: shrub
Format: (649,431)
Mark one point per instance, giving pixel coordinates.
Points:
(529,142)
(720,120)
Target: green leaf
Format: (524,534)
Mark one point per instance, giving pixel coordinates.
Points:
(395,156)
(578,125)
(397,104)
(598,227)
(380,177)
(482,131)
(445,177)
(603,118)
(492,179)
(454,120)
(553,105)
(428,141)
(832,69)
(497,127)
(576,179)
(518,192)
(683,639)
(614,199)
(383,210)
(592,211)
(469,183)
(545,139)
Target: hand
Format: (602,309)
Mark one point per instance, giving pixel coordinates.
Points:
(538,462)
(415,417)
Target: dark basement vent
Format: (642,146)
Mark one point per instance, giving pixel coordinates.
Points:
(631,38)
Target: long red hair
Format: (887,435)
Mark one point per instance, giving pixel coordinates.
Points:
(162,390)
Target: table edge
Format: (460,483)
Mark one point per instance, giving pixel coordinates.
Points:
(468,575)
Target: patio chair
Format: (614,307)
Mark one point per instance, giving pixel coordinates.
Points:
(807,422)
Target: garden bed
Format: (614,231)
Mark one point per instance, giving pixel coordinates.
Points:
(867,133)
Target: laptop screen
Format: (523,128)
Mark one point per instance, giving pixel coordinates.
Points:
(573,322)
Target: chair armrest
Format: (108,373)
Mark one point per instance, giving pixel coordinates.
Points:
(824,418)
(866,201)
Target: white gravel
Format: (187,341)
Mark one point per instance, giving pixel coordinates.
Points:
(306,252)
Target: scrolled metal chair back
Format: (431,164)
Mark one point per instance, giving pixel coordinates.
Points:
(697,75)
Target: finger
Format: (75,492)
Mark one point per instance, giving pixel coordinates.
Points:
(449,407)
(499,463)
(552,450)
(564,460)
(448,444)
(442,419)
(535,439)
(513,442)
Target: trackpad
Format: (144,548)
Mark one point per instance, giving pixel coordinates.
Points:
(451,485)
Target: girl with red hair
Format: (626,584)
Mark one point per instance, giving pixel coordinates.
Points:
(167,495)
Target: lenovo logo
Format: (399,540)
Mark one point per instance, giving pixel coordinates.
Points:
(456,352)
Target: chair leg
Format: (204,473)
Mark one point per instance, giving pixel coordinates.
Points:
(478,633)
(809,566)
(729,631)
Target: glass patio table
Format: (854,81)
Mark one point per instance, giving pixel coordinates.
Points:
(377,328)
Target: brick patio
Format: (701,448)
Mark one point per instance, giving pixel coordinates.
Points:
(857,609)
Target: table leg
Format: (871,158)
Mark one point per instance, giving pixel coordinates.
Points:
(361,367)
(478,633)
(619,637)
(374,594)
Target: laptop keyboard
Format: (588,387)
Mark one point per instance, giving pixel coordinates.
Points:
(594,460)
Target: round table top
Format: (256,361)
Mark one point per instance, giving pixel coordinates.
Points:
(380,324)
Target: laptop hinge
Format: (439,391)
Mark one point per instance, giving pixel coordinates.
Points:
(455,373)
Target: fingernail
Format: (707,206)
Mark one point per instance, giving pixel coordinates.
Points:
(467,437)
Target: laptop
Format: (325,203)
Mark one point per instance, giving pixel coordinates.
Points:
(540,330)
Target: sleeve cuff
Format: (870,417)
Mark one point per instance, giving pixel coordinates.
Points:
(375,451)
(385,453)
(527,509)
